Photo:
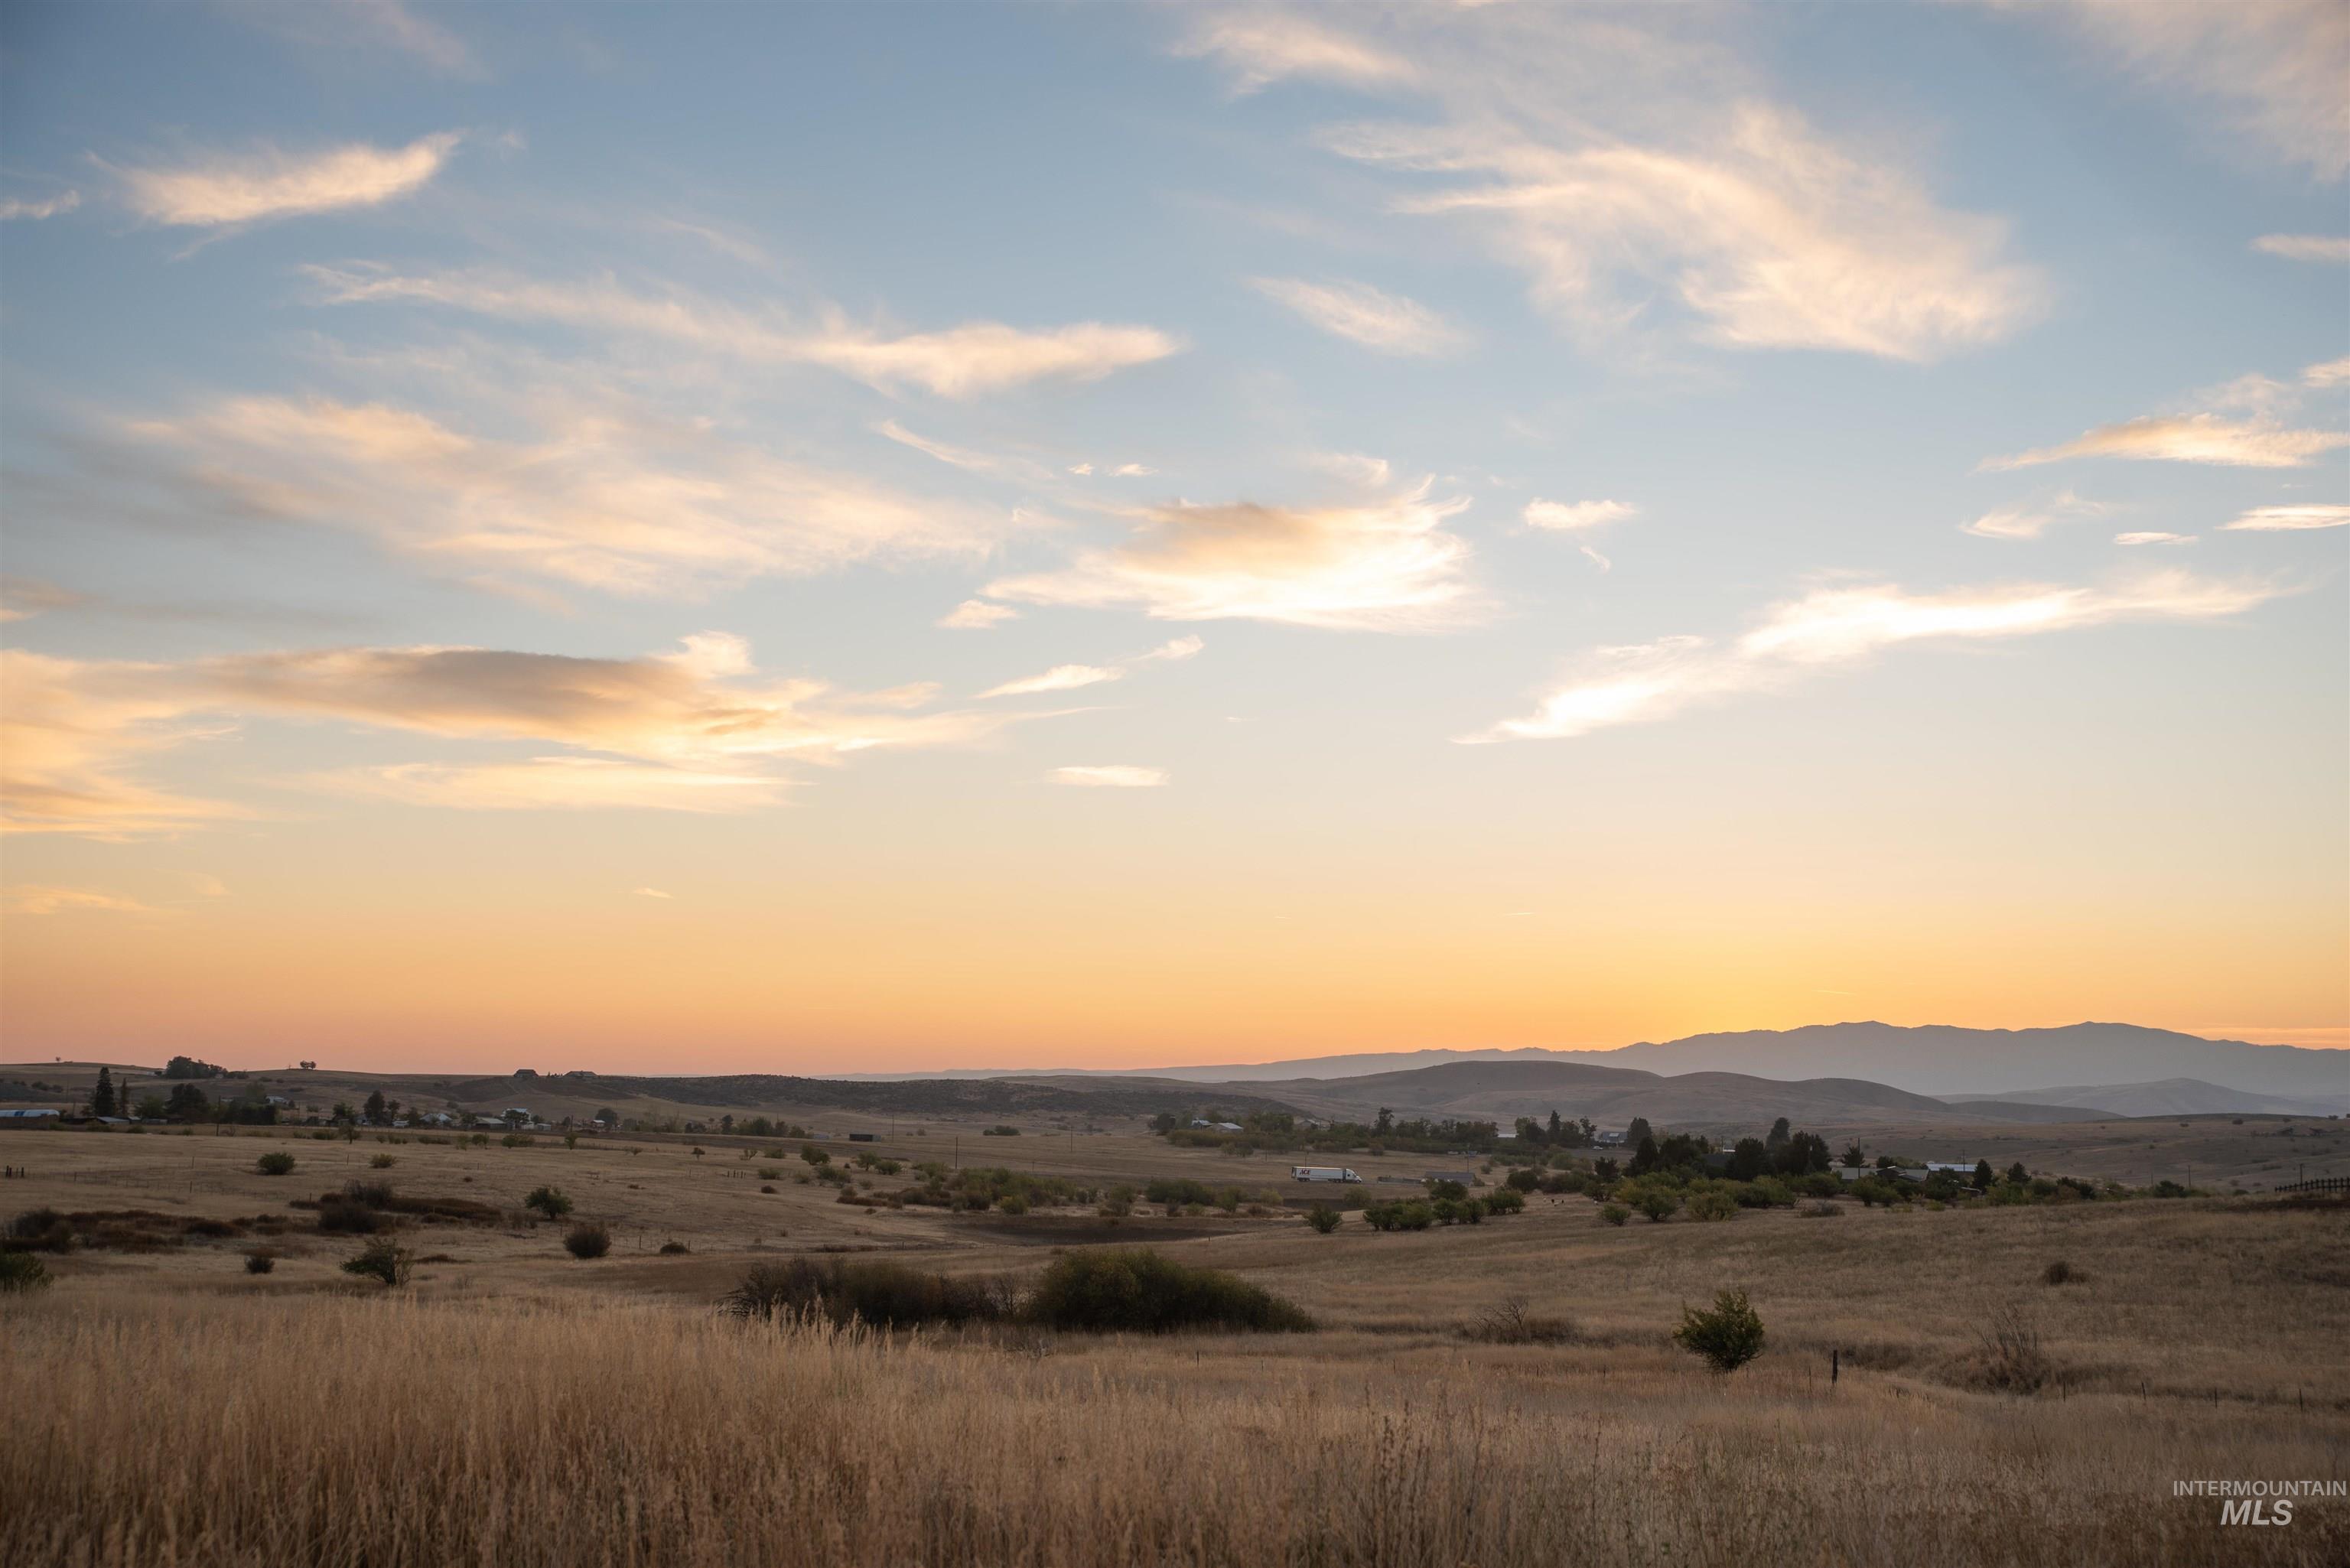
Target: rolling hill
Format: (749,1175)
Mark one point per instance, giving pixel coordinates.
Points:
(1931,1059)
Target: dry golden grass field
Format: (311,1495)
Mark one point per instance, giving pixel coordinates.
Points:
(514,1406)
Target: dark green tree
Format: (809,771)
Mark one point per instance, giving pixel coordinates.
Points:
(1983,1176)
(1779,1133)
(187,1103)
(1637,1130)
(375,1112)
(102,1101)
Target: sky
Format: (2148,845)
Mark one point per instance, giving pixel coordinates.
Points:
(825,538)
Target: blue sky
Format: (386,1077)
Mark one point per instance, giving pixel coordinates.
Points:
(1865,483)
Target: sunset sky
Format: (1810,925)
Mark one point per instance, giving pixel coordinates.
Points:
(842,538)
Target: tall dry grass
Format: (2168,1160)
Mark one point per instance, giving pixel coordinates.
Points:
(143,1428)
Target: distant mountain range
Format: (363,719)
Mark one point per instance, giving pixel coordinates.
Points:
(2168,1098)
(1938,1060)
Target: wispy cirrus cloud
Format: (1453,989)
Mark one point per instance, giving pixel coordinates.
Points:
(2242,424)
(1634,170)
(962,361)
(372,25)
(33,898)
(1840,627)
(1362,314)
(2274,71)
(2328,248)
(2153,537)
(2030,519)
(2288,519)
(977,615)
(1070,677)
(1112,776)
(223,188)
(1385,565)
(1575,516)
(1264,46)
(34,208)
(696,729)
(2187,438)
(1060,677)
(605,497)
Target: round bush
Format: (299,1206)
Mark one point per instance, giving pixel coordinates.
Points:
(1323,1218)
(586,1241)
(276,1162)
(1728,1337)
(22,1271)
(1134,1290)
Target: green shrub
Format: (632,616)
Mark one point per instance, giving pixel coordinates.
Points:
(276,1162)
(1012,1203)
(588,1240)
(547,1200)
(1133,1290)
(260,1260)
(382,1161)
(1713,1206)
(881,1294)
(1728,1337)
(814,1155)
(41,1231)
(1323,1218)
(673,1247)
(1658,1203)
(22,1271)
(382,1259)
(1614,1213)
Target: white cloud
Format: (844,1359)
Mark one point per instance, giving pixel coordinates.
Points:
(233,188)
(977,615)
(2331,248)
(1596,560)
(959,362)
(1060,677)
(1771,238)
(1117,776)
(1831,628)
(2333,373)
(1262,47)
(1571,515)
(1385,564)
(600,498)
(1365,315)
(35,899)
(2274,70)
(39,207)
(1131,471)
(1181,648)
(2030,519)
(694,731)
(2153,537)
(2288,519)
(1355,468)
(2188,438)
(557,783)
(649,893)
(953,456)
